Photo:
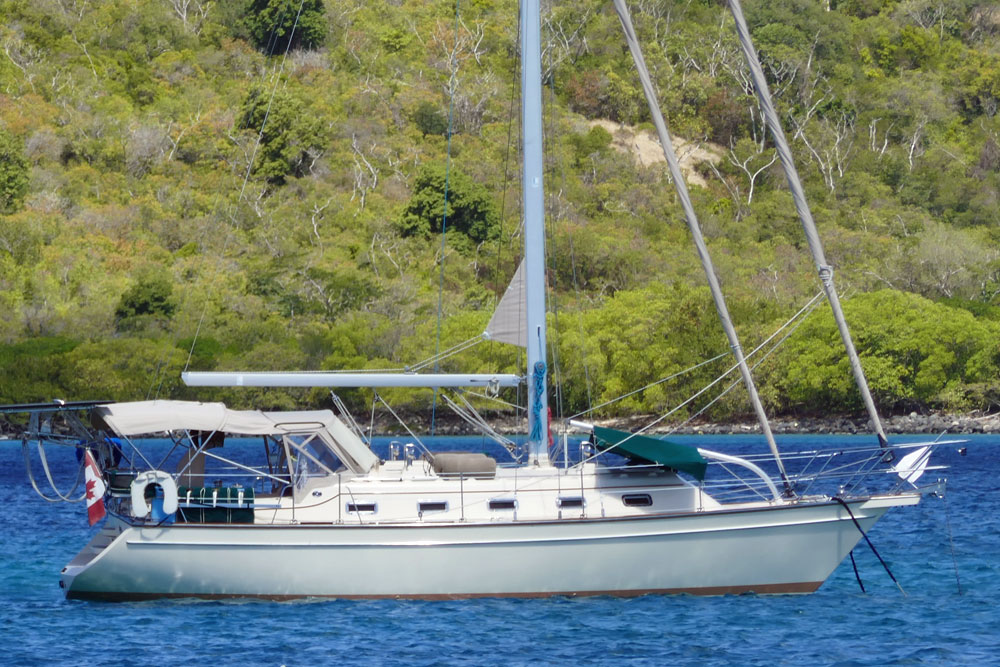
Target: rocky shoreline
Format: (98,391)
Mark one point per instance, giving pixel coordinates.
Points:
(912,423)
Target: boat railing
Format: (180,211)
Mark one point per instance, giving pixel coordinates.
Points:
(749,465)
(845,471)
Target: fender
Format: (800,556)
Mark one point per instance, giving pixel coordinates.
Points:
(140,508)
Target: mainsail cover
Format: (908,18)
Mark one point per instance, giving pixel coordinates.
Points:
(508,322)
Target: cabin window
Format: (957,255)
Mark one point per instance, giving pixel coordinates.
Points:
(570,502)
(312,458)
(637,500)
(503,504)
(433,506)
(357,508)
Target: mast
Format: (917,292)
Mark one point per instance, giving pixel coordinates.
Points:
(692,221)
(805,215)
(534,230)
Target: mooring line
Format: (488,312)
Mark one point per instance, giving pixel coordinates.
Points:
(856,574)
(872,546)
(951,540)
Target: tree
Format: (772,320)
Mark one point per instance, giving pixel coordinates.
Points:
(429,120)
(122,369)
(278,25)
(471,210)
(14,172)
(596,141)
(147,299)
(290,138)
(635,339)
(916,353)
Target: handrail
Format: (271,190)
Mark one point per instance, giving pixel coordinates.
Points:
(718,456)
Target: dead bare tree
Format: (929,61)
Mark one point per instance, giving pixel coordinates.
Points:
(192,13)
(365,177)
(456,47)
(873,141)
(317,217)
(22,54)
(565,40)
(830,143)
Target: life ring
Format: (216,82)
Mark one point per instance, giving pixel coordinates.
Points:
(141,508)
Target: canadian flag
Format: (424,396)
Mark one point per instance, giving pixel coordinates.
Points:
(95,490)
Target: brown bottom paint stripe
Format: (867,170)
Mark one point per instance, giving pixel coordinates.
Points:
(759,589)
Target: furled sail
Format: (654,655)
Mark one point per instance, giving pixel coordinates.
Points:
(507,324)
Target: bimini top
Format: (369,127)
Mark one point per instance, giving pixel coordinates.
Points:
(147,417)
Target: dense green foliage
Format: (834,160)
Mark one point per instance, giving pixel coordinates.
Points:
(13,173)
(470,208)
(430,120)
(145,301)
(277,185)
(278,25)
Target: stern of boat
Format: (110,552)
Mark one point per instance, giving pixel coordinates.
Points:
(105,537)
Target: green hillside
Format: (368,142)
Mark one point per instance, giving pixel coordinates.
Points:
(258,185)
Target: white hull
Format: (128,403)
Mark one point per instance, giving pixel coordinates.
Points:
(762,549)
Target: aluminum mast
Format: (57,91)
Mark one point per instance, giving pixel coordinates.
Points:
(534,230)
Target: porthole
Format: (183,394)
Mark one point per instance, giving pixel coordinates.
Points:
(503,504)
(432,506)
(570,502)
(357,508)
(637,500)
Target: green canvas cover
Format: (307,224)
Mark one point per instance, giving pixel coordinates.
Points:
(646,449)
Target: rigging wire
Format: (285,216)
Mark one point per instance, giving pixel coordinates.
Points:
(272,41)
(499,290)
(451,351)
(452,84)
(583,338)
(497,399)
(471,416)
(805,310)
(403,424)
(556,374)
(651,384)
(801,313)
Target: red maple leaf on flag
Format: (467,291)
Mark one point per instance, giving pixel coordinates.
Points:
(95,490)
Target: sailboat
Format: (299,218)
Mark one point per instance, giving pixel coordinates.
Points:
(324,516)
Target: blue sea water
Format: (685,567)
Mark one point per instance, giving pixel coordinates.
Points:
(948,616)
